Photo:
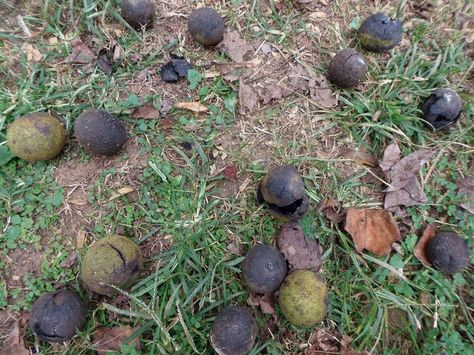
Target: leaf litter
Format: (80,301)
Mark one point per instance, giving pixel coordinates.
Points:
(420,249)
(111,339)
(404,188)
(235,46)
(466,193)
(300,252)
(372,229)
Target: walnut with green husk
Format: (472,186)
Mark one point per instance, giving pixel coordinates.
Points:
(303,298)
(114,260)
(36,137)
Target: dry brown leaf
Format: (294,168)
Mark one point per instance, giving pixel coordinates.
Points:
(466,193)
(326,341)
(191,106)
(80,239)
(146,111)
(235,247)
(372,229)
(332,210)
(300,252)
(234,46)
(361,156)
(265,302)
(32,53)
(70,261)
(15,344)
(419,250)
(247,97)
(111,339)
(81,54)
(404,188)
(122,191)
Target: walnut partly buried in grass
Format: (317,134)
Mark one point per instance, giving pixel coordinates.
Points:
(264,269)
(442,108)
(282,189)
(36,137)
(234,331)
(206,26)
(447,252)
(139,14)
(56,316)
(99,132)
(114,260)
(347,68)
(380,33)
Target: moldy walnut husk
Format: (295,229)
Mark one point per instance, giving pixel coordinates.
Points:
(380,33)
(139,14)
(206,26)
(114,260)
(442,108)
(448,252)
(347,68)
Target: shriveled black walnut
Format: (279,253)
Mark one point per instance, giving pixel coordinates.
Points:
(264,269)
(206,26)
(282,189)
(442,108)
(380,33)
(347,68)
(57,316)
(175,69)
(234,331)
(447,252)
(139,14)
(99,132)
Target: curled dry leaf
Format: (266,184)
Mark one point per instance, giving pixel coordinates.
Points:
(32,53)
(326,341)
(15,344)
(122,191)
(372,229)
(247,97)
(419,250)
(146,111)
(266,303)
(332,210)
(404,188)
(81,54)
(110,339)
(466,194)
(191,106)
(300,252)
(361,156)
(235,46)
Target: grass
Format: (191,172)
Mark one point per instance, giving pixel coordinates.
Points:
(387,305)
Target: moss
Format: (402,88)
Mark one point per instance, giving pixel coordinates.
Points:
(36,137)
(114,260)
(303,298)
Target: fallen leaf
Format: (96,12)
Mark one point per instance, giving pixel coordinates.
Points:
(235,247)
(81,54)
(326,341)
(419,250)
(404,188)
(32,53)
(372,229)
(300,252)
(146,111)
(332,210)
(466,193)
(111,339)
(247,97)
(16,344)
(105,63)
(80,239)
(191,106)
(234,46)
(266,303)
(121,192)
(361,156)
(230,172)
(70,261)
